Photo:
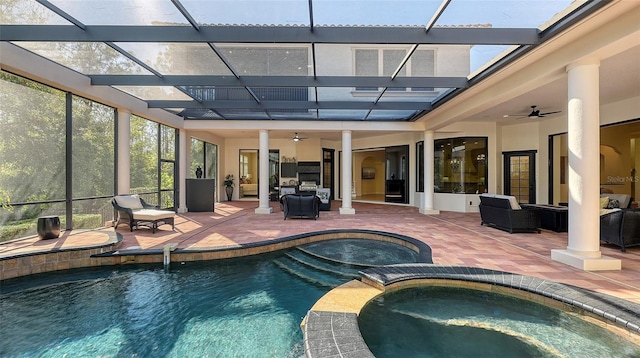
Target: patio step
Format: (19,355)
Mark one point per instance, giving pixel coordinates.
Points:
(309,274)
(320,264)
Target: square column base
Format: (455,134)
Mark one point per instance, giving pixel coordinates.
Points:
(601,263)
(268,210)
(347,211)
(429,211)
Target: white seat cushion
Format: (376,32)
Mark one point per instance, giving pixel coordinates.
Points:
(129,201)
(152,214)
(512,200)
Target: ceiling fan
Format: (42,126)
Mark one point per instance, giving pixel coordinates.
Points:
(297,138)
(535,113)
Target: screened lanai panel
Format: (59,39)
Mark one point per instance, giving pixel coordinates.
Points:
(502,13)
(243,114)
(28,12)
(170,58)
(268,60)
(155,93)
(249,12)
(123,12)
(350,94)
(390,115)
(410,94)
(90,58)
(196,113)
(288,114)
(342,114)
(483,55)
(374,12)
(359,59)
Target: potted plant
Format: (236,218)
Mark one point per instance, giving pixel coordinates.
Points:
(228,186)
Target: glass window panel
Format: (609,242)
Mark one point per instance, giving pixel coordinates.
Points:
(456,168)
(280,12)
(211,152)
(167,143)
(423,63)
(391,59)
(168,177)
(144,155)
(366,62)
(32,140)
(28,12)
(123,12)
(93,139)
(170,58)
(154,92)
(89,58)
(197,157)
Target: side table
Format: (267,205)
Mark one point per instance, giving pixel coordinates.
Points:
(552,217)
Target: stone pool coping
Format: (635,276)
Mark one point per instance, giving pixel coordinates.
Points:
(53,258)
(331,329)
(254,248)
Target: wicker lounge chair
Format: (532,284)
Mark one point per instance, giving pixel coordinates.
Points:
(134,211)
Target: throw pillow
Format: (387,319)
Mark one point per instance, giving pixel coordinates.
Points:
(613,204)
(604,201)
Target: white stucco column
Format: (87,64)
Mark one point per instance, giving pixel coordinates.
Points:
(183,168)
(124,152)
(583,114)
(263,180)
(347,173)
(427,199)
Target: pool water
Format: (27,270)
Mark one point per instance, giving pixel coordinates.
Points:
(456,322)
(249,307)
(361,252)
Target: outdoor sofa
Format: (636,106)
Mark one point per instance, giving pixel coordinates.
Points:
(134,211)
(503,212)
(300,206)
(619,224)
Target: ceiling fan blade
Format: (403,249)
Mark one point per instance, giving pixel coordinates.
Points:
(547,113)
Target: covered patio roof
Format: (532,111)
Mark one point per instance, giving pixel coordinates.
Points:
(277,60)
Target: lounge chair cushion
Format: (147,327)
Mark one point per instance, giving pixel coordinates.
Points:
(152,214)
(129,201)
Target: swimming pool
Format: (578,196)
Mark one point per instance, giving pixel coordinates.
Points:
(249,307)
(449,321)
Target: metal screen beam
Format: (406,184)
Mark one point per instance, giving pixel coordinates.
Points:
(271,34)
(288,105)
(278,81)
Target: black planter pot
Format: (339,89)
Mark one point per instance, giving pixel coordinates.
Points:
(229,191)
(48,227)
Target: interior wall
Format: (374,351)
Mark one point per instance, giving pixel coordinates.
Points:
(369,159)
(620,111)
